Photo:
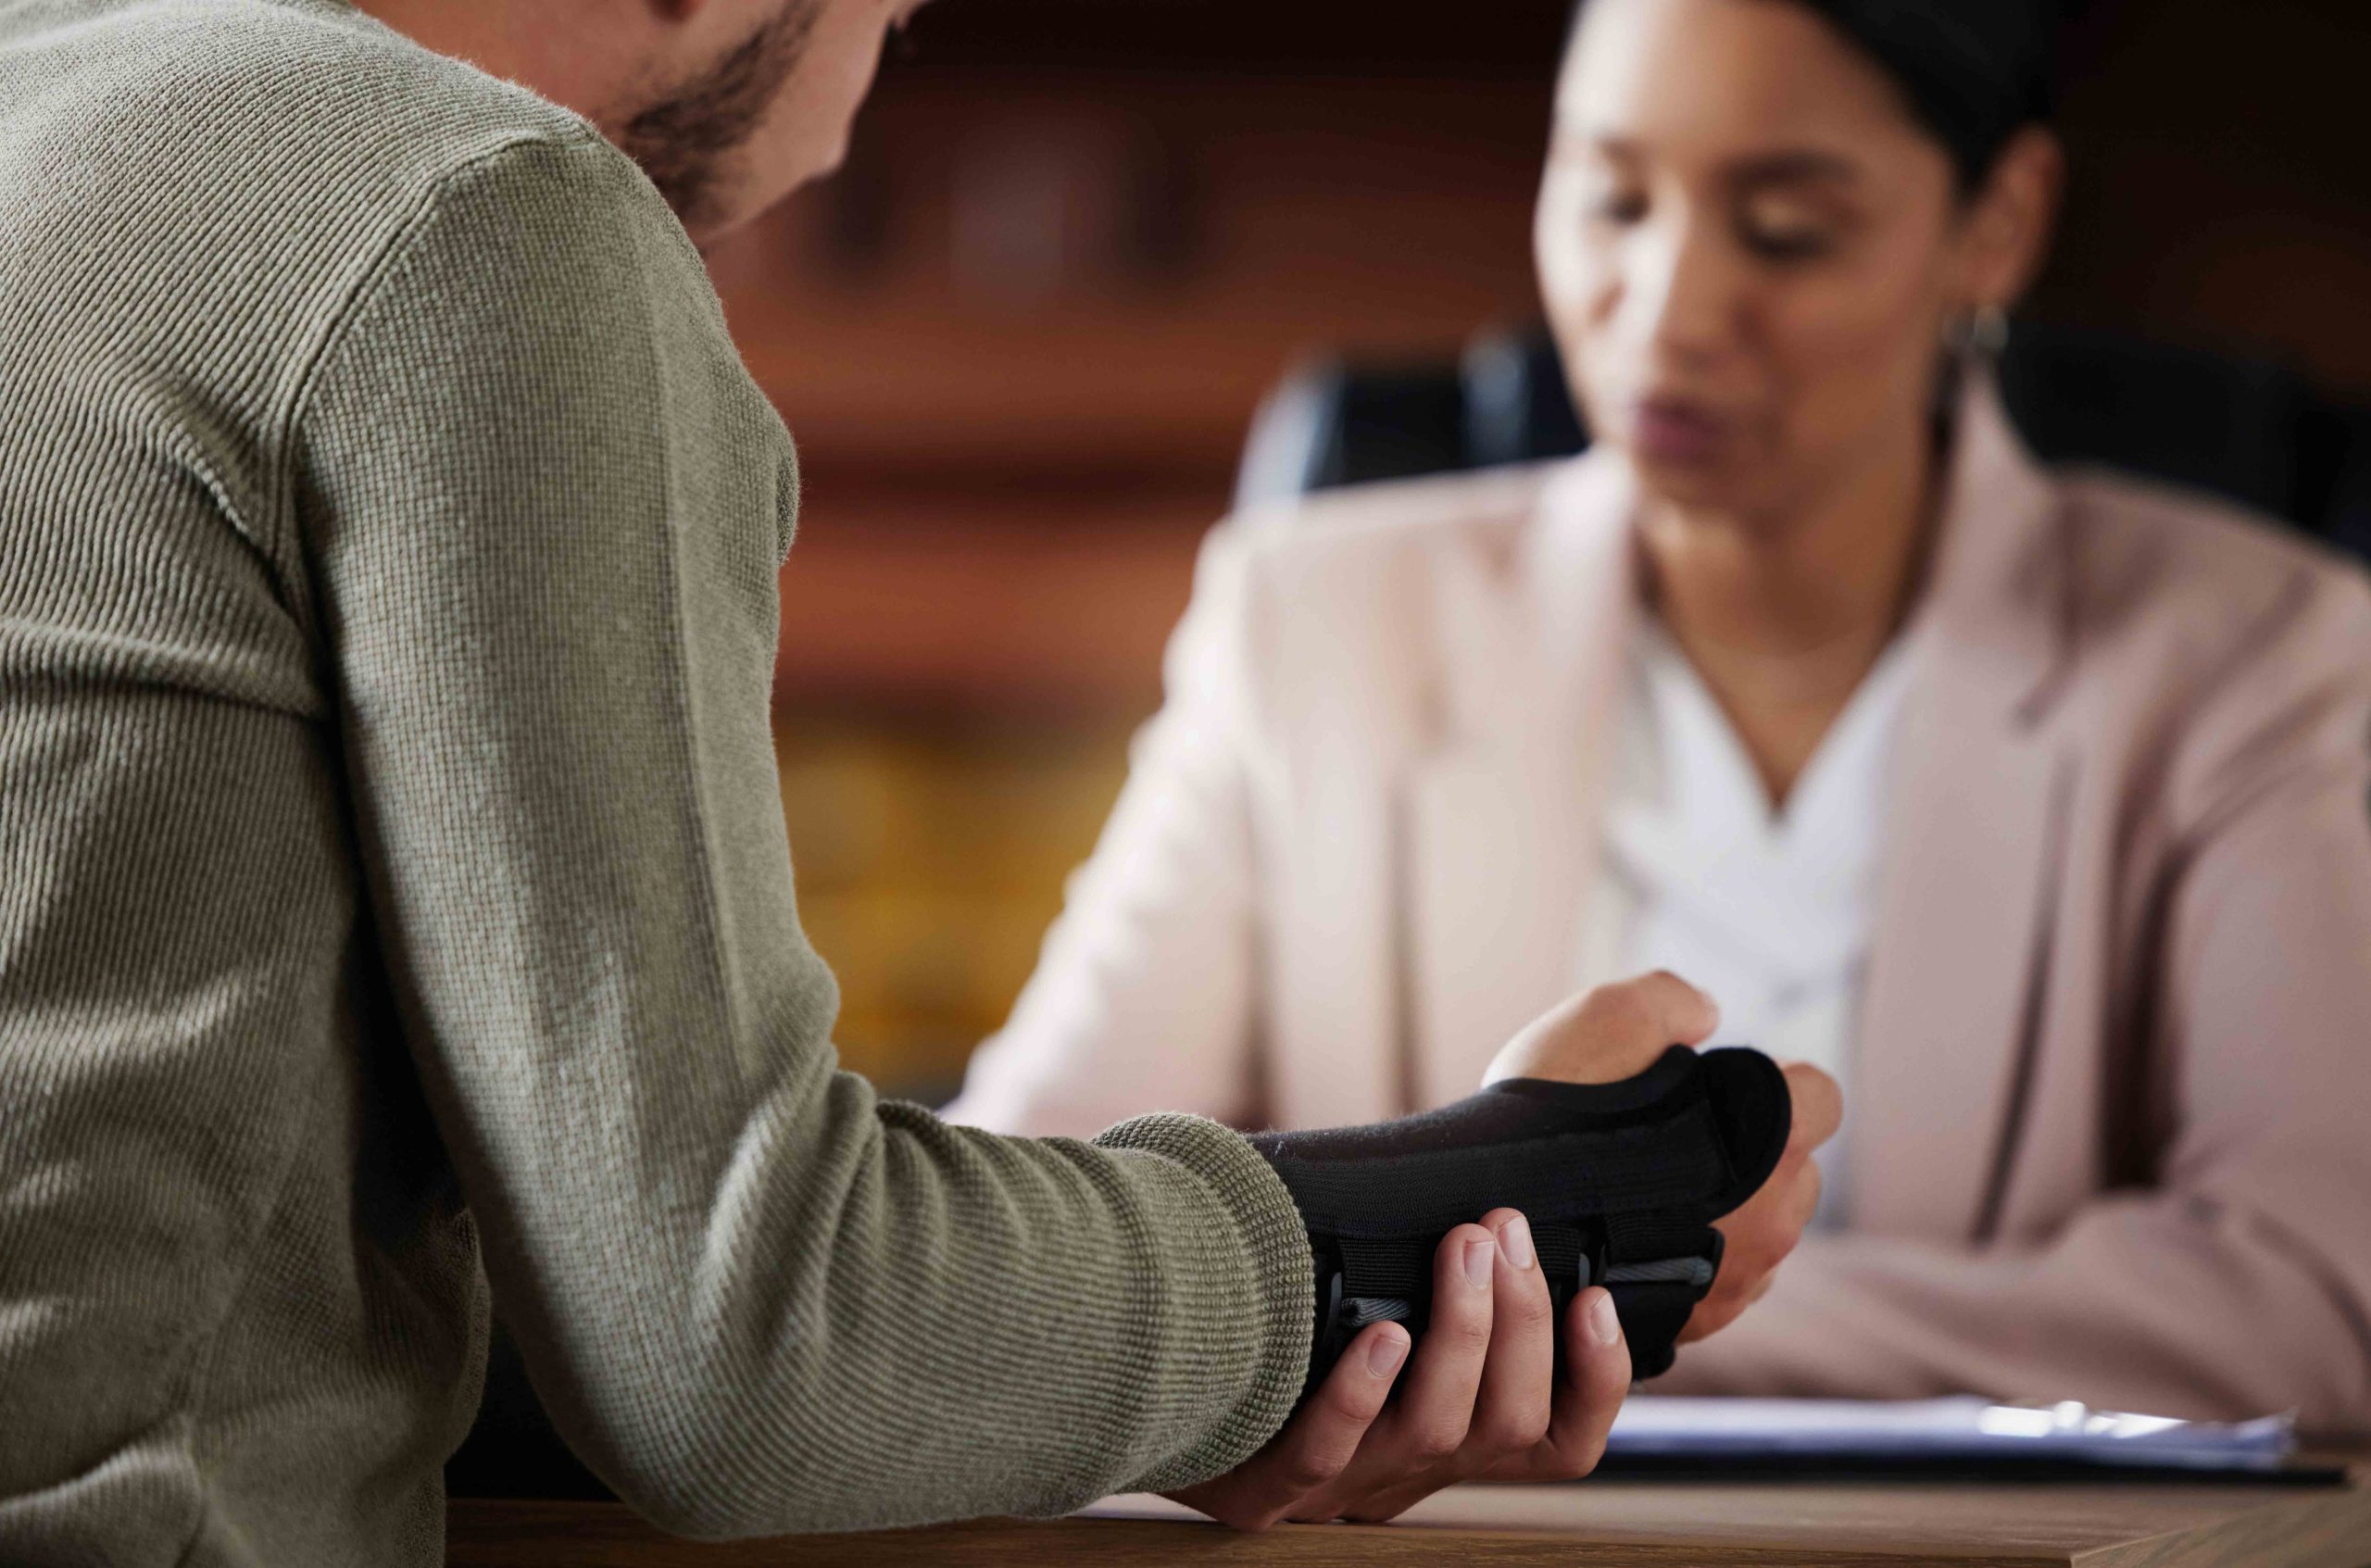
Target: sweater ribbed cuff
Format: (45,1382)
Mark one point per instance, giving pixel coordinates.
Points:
(1268,1236)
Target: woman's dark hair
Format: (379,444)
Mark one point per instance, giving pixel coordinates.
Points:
(1974,72)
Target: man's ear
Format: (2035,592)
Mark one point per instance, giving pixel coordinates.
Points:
(2013,218)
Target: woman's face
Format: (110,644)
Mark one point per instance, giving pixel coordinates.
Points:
(1750,252)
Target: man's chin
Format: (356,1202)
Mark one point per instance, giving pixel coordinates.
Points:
(727,208)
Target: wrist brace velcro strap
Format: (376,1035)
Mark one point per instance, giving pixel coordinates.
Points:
(1621,1184)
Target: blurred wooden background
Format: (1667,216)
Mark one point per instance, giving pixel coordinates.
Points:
(1021,335)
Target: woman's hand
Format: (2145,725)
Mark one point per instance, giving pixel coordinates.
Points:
(1613,1032)
(1616,1032)
(1760,1233)
(1481,1398)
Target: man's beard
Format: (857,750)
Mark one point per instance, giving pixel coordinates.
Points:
(686,138)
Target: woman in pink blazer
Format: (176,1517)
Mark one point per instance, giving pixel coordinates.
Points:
(2056,833)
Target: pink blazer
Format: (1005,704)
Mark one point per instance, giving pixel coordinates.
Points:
(2111,1106)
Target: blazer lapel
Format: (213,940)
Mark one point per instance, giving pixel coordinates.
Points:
(1950,1018)
(1497,840)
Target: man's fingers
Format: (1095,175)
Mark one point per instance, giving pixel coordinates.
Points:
(1596,1378)
(1818,1107)
(1316,1445)
(1326,1432)
(1512,1412)
(1414,1449)
(1436,1407)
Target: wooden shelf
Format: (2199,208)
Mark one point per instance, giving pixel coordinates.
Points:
(1367,216)
(990,604)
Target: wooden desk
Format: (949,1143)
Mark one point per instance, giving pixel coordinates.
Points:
(1606,1525)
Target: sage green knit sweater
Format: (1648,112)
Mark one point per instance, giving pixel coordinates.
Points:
(394,891)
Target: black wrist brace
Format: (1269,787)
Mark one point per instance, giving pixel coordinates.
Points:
(1620,1182)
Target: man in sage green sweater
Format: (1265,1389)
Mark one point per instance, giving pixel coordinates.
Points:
(396,893)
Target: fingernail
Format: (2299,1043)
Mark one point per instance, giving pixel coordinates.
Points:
(1477,1264)
(1384,1353)
(1514,1241)
(1604,1322)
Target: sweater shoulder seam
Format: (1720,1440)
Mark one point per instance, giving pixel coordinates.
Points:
(352,299)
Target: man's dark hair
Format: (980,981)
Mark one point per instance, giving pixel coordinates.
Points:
(683,139)
(1974,72)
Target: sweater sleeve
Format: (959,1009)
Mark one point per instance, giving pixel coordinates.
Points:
(543,506)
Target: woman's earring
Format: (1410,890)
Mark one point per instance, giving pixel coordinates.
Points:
(1988,332)
(1982,334)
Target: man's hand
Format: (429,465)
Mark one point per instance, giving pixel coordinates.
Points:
(1616,1032)
(1481,1398)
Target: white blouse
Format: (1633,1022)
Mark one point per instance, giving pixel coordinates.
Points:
(1771,914)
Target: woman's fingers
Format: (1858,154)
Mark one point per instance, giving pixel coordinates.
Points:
(1711,1317)
(1288,1479)
(1759,1236)
(1805,1207)
(1818,1107)
(1670,1008)
(1613,1032)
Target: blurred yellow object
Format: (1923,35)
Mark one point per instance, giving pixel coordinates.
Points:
(930,862)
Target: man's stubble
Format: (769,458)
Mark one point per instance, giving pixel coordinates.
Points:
(685,136)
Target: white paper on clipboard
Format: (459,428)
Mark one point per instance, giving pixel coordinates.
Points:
(1944,1430)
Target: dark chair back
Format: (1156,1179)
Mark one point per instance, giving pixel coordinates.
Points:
(2247,430)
